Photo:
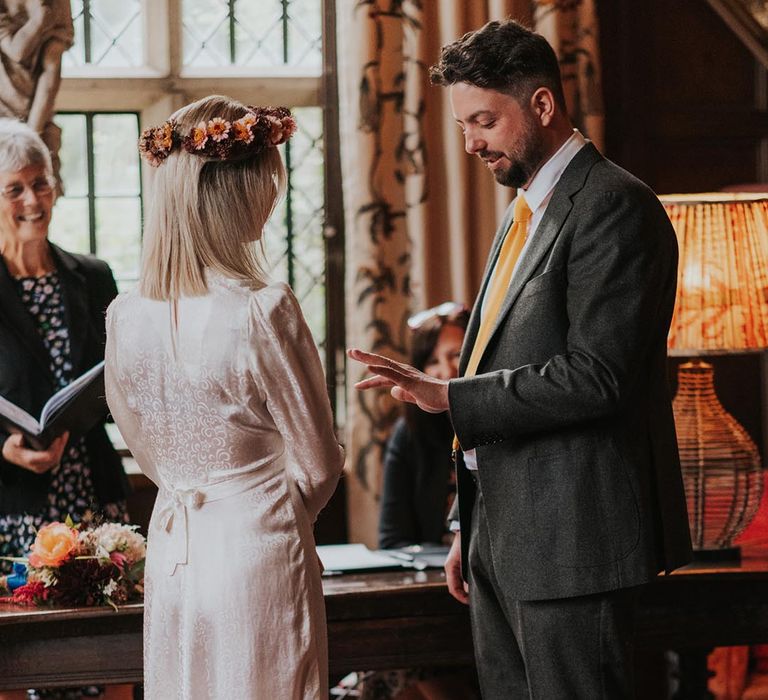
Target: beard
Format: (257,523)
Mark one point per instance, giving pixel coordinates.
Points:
(524,160)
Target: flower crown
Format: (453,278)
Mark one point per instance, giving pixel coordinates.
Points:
(258,129)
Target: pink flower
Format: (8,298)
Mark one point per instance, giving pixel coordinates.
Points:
(118,559)
(218,128)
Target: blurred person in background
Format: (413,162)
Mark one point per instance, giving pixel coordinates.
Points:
(419,483)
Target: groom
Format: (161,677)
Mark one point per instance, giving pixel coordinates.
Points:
(570,492)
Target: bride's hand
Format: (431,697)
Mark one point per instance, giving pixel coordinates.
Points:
(37,461)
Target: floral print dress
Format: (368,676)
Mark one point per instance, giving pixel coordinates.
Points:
(71,491)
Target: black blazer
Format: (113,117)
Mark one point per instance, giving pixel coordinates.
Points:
(25,378)
(570,412)
(417,471)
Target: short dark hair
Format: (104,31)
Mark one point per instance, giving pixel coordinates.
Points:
(503,56)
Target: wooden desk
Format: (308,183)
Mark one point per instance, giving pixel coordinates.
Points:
(379,621)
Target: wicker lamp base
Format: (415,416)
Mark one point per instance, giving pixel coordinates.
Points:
(720,463)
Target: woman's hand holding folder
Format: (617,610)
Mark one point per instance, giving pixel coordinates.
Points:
(37,461)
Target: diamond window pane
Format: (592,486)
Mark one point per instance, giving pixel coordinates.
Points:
(108,33)
(206,33)
(305,45)
(294,237)
(249,33)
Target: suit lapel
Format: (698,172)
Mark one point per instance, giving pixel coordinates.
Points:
(75,294)
(20,322)
(560,205)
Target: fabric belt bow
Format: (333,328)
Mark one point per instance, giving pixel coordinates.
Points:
(174,513)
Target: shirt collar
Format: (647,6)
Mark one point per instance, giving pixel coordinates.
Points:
(548,175)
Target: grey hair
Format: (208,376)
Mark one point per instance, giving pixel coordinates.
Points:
(20,147)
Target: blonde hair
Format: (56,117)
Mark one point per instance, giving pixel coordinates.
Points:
(208,213)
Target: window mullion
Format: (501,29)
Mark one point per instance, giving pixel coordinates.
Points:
(285,31)
(232,24)
(87,31)
(334,221)
(90,162)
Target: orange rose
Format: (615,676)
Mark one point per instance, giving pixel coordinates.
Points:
(53,545)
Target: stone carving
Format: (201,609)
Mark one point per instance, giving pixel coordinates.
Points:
(33,36)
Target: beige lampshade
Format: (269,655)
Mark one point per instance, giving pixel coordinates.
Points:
(722,286)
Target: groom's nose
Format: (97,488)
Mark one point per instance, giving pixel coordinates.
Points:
(472,143)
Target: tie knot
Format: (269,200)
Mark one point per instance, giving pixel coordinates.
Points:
(522,212)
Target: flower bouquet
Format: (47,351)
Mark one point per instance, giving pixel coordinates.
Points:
(103,565)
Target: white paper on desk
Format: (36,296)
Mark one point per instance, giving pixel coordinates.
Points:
(354,557)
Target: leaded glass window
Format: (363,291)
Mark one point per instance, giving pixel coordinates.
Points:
(100,211)
(136,61)
(256,33)
(108,33)
(294,237)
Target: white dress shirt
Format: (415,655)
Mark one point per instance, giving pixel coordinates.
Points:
(537,196)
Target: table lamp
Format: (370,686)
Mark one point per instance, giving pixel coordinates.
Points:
(721,308)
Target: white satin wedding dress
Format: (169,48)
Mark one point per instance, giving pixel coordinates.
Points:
(230,418)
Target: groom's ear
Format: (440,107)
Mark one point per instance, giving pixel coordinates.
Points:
(543,105)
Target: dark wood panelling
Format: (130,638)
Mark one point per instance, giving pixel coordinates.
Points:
(684,98)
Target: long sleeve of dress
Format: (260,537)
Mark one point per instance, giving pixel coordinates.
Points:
(117,402)
(286,363)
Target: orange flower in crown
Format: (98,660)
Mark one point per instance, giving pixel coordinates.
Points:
(156,143)
(198,137)
(53,545)
(242,128)
(163,137)
(219,139)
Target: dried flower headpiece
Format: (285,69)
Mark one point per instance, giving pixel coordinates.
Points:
(259,128)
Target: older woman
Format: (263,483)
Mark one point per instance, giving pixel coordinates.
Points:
(52,307)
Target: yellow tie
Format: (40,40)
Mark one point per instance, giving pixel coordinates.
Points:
(497,288)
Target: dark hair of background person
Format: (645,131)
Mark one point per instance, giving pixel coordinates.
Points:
(423,342)
(503,56)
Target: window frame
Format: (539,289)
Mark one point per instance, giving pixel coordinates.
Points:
(163,85)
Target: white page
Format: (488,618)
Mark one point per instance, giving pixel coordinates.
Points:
(63,395)
(19,415)
(348,557)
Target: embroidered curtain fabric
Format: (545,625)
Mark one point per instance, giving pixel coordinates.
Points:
(420,214)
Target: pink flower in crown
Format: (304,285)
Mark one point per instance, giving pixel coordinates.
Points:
(218,128)
(289,127)
(150,147)
(281,128)
(198,136)
(275,135)
(242,129)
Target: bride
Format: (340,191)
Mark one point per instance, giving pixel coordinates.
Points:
(215,383)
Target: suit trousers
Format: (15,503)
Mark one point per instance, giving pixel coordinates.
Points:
(569,648)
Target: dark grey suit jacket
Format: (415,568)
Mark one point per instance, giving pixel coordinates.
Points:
(570,413)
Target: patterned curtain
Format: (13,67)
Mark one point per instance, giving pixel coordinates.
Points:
(420,214)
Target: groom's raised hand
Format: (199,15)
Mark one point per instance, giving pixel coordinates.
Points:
(406,383)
